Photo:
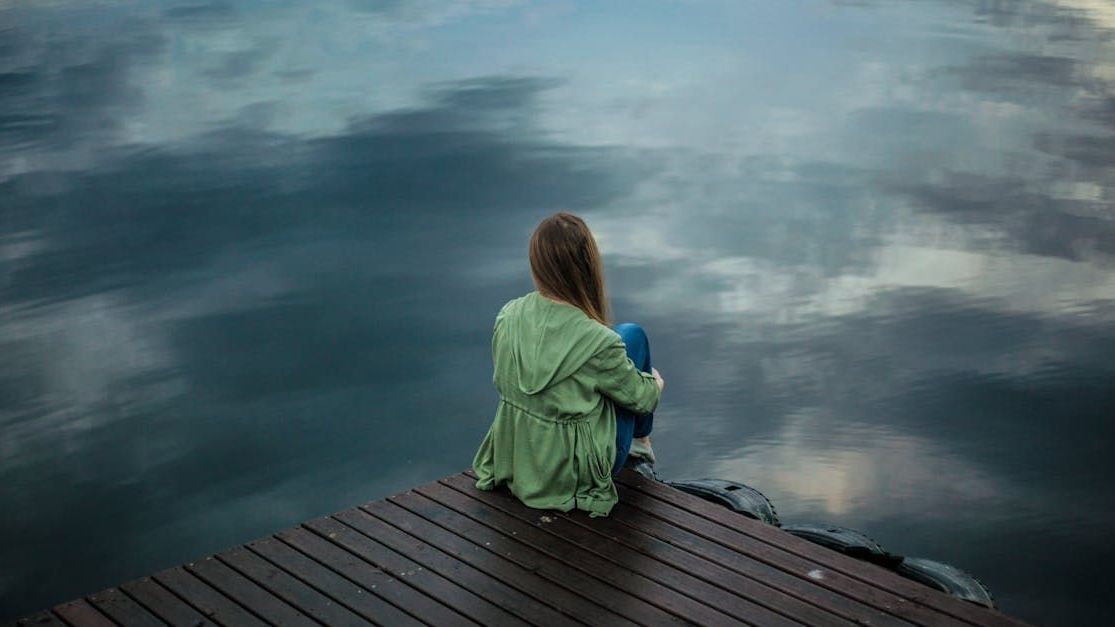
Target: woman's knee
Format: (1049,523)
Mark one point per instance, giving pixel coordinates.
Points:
(631,333)
(638,347)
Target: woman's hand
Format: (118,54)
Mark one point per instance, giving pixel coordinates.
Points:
(658,379)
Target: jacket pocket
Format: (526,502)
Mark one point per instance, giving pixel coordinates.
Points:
(602,462)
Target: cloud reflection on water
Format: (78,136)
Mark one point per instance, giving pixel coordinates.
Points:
(231,302)
(879,324)
(240,245)
(862,471)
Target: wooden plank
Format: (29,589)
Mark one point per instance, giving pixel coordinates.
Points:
(646,559)
(634,594)
(304,598)
(437,586)
(794,564)
(463,574)
(632,576)
(802,588)
(241,589)
(202,596)
(699,566)
(866,572)
(356,598)
(163,603)
(79,613)
(507,571)
(42,619)
(370,577)
(448,553)
(503,541)
(122,609)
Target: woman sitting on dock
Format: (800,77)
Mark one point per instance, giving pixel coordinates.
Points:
(576,397)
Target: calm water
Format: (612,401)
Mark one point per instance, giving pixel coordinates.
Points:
(250,254)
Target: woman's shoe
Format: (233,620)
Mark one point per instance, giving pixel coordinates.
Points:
(642,449)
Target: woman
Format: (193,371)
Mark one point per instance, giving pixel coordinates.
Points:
(573,402)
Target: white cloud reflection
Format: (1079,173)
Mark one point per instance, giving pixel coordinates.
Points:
(1100,11)
(928,253)
(738,150)
(82,358)
(862,471)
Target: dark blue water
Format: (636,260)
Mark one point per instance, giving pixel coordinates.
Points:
(250,254)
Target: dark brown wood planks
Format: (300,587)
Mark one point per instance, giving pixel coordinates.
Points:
(448,553)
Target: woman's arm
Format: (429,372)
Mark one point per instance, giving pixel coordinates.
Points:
(617,378)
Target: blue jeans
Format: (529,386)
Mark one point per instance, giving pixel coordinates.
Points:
(628,425)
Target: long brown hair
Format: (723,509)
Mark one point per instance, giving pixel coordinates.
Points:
(565,263)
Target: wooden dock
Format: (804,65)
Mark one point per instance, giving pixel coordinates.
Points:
(446,553)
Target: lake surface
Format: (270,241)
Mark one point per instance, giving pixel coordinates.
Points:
(250,255)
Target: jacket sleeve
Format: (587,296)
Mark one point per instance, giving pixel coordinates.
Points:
(617,378)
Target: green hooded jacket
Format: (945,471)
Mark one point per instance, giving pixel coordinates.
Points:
(559,375)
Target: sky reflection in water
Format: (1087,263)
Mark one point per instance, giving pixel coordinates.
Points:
(250,254)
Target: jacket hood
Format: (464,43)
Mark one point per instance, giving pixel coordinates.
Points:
(548,341)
